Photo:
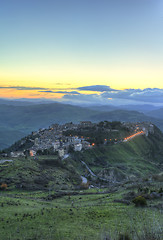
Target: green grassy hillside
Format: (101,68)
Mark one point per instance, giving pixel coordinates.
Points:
(46,200)
(141,157)
(137,158)
(94,216)
(46,172)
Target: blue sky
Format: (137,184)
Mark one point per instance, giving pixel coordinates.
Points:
(116,43)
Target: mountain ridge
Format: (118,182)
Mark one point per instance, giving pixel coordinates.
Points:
(25,119)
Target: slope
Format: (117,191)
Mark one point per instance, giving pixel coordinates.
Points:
(137,158)
(156,113)
(141,157)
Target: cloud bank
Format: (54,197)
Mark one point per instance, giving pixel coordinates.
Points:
(113,96)
(23,88)
(99,94)
(96,88)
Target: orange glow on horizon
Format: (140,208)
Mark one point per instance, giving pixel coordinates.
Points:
(13,93)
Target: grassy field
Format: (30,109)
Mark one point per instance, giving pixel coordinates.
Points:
(45,201)
(30,216)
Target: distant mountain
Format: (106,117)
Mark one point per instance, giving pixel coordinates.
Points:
(38,116)
(126,116)
(103,108)
(22,120)
(23,102)
(156,113)
(8,136)
(139,108)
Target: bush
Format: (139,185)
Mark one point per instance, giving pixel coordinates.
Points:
(3,186)
(124,237)
(84,186)
(139,201)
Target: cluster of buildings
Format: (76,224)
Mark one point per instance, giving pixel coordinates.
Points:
(54,138)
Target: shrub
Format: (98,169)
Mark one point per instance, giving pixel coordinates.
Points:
(139,201)
(3,186)
(84,185)
(124,237)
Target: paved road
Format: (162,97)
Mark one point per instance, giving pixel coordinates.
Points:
(133,136)
(84,180)
(90,171)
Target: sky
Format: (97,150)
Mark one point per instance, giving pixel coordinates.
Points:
(90,51)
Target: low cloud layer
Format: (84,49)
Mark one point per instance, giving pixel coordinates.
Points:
(152,95)
(100,94)
(127,96)
(96,88)
(23,88)
(62,92)
(67,92)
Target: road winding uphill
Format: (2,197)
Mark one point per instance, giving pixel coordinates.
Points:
(133,136)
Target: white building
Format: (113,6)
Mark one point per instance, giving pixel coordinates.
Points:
(17,154)
(78,147)
(61,152)
(36,142)
(56,145)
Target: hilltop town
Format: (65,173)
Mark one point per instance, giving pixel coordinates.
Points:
(62,139)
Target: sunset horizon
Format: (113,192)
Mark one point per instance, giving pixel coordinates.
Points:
(51,50)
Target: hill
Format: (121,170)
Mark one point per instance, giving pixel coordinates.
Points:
(143,108)
(104,163)
(24,119)
(18,121)
(8,136)
(24,102)
(126,116)
(135,159)
(157,113)
(48,197)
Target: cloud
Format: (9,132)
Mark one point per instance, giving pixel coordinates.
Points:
(66,92)
(63,92)
(22,88)
(96,88)
(151,95)
(47,91)
(120,97)
(106,95)
(85,98)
